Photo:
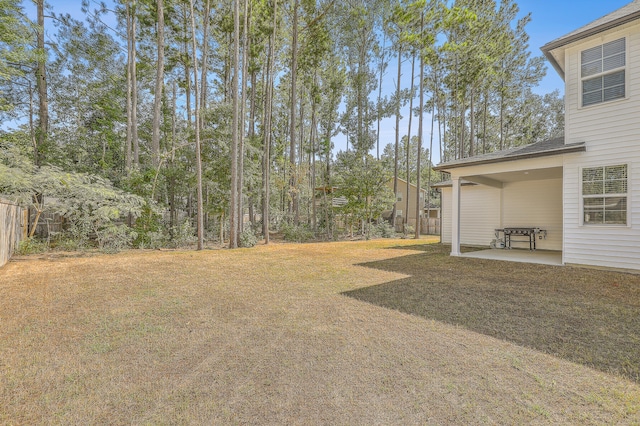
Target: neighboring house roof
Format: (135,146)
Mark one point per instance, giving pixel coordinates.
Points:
(411,185)
(540,149)
(625,14)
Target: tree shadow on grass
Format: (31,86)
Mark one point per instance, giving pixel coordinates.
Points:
(586,316)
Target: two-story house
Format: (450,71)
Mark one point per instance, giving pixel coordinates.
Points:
(583,189)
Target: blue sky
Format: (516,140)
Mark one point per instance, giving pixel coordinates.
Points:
(552,19)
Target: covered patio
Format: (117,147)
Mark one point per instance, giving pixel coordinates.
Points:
(516,188)
(541,257)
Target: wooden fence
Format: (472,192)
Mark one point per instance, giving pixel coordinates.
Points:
(10,229)
(428,226)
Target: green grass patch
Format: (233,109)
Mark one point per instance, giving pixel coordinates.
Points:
(587,316)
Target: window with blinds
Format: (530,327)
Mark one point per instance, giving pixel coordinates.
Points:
(604,194)
(603,72)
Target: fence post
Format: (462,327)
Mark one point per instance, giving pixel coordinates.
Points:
(10,215)
(25,224)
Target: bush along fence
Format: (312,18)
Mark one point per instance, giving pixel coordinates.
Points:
(10,229)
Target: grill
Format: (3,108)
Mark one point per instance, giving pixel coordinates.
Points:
(530,232)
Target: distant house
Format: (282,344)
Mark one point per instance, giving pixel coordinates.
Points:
(583,188)
(403,213)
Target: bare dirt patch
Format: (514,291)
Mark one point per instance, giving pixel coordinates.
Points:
(265,336)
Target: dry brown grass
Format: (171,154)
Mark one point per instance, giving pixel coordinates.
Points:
(264,336)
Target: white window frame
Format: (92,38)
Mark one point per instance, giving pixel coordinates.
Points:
(604,73)
(399,196)
(398,213)
(604,195)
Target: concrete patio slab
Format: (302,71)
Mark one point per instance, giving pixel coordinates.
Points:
(543,257)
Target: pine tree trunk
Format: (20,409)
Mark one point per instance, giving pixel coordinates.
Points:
(328,204)
(501,116)
(41,83)
(408,150)
(171,187)
(384,40)
(471,125)
(251,134)
(397,145)
(266,156)
(293,209)
(233,210)
(157,102)
(420,119)
(200,210)
(134,91)
(243,102)
(312,157)
(433,117)
(463,116)
(205,58)
(128,144)
(484,124)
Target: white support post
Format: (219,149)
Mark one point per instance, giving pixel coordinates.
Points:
(455,217)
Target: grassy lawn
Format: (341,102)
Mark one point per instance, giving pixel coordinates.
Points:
(267,336)
(586,316)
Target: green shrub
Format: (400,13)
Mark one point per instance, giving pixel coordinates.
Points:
(64,241)
(299,234)
(81,232)
(151,240)
(148,229)
(408,231)
(383,229)
(183,234)
(114,238)
(32,246)
(248,238)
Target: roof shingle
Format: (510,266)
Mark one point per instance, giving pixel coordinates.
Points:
(540,149)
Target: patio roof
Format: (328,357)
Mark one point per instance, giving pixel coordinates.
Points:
(540,149)
(621,16)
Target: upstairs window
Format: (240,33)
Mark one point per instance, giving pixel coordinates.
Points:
(604,195)
(603,72)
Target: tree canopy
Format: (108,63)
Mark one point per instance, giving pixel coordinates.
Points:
(222,114)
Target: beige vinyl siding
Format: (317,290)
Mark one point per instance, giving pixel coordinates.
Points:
(479,214)
(402,205)
(611,131)
(535,203)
